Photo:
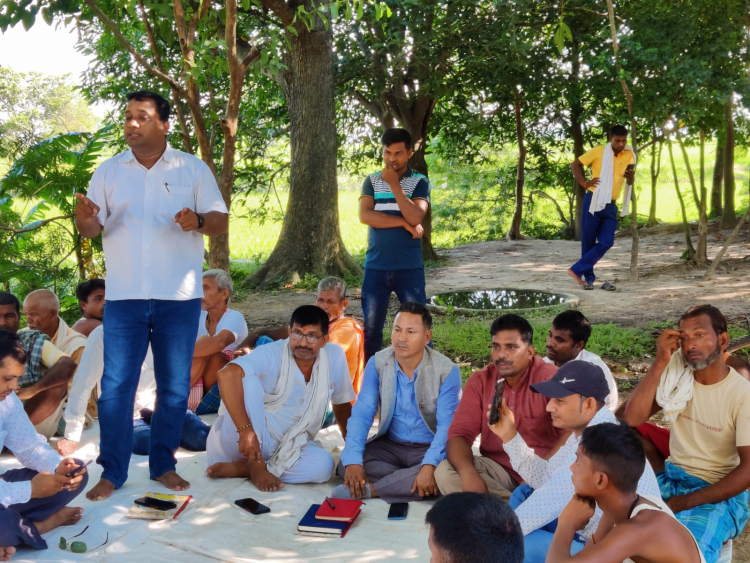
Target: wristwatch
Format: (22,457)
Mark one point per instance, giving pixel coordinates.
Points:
(201,220)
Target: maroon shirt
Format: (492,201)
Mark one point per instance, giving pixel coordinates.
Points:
(532,419)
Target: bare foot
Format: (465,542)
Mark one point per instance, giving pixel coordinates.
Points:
(66,516)
(173,481)
(263,479)
(575,276)
(6,553)
(229,470)
(101,491)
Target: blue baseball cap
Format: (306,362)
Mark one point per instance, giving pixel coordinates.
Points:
(575,378)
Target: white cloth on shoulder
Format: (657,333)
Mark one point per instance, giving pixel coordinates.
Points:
(603,191)
(675,387)
(309,424)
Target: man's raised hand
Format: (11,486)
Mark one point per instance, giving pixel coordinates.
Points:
(85,208)
(187,219)
(390,177)
(505,428)
(578,512)
(667,344)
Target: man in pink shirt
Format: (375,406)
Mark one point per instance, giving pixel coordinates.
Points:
(512,359)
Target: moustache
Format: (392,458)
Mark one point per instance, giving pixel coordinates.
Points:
(499,363)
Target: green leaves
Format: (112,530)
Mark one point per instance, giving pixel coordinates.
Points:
(562,34)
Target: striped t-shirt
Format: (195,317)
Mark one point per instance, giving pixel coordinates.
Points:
(394,249)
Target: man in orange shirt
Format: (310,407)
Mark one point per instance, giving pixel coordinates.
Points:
(599,214)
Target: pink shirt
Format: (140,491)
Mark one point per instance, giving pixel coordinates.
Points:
(532,419)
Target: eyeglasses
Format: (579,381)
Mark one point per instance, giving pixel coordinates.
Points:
(79,546)
(297,336)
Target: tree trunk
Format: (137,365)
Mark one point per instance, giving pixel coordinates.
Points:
(728,215)
(685,225)
(700,254)
(310,240)
(576,131)
(515,227)
(718,178)
(689,169)
(655,170)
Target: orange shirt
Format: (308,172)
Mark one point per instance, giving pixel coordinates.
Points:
(347,333)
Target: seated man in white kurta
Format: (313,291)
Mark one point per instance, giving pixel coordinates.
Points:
(273,404)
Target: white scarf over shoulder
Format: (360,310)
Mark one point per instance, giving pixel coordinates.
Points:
(603,192)
(675,387)
(308,426)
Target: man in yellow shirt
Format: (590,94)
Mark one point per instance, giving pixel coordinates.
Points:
(598,228)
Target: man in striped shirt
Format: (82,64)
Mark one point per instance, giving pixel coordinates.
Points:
(392,204)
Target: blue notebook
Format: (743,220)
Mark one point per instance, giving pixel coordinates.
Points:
(311,524)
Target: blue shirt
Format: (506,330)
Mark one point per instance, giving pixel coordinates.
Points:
(394,248)
(406,423)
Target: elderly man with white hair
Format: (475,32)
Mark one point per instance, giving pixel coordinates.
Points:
(220,331)
(42,311)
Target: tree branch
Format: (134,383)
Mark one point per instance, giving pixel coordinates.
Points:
(37,226)
(281,9)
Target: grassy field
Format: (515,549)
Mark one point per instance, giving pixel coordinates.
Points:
(472,204)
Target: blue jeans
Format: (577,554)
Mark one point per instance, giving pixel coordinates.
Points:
(537,543)
(194,434)
(597,236)
(377,287)
(129,325)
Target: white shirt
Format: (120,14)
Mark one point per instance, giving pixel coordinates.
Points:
(146,253)
(89,374)
(232,320)
(586,356)
(31,449)
(552,480)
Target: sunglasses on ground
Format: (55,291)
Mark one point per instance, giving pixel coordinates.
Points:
(79,546)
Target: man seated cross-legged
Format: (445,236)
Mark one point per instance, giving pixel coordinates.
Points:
(34,499)
(576,397)
(634,528)
(512,359)
(273,404)
(706,477)
(417,390)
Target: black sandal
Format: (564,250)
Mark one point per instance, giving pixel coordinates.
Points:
(606,286)
(588,285)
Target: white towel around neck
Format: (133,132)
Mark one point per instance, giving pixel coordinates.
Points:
(675,387)
(603,191)
(289,449)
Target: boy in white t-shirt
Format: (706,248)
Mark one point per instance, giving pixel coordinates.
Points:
(220,331)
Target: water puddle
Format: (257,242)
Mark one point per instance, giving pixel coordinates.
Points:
(490,299)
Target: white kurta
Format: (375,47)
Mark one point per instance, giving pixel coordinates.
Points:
(232,320)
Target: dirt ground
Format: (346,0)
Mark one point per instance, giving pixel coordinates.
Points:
(667,287)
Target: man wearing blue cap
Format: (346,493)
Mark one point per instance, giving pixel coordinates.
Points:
(577,395)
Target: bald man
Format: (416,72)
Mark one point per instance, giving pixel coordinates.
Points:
(42,311)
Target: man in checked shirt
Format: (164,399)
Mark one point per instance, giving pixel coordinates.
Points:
(577,394)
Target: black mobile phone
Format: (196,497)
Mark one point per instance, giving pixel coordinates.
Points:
(78,469)
(630,167)
(398,511)
(252,506)
(158,504)
(496,400)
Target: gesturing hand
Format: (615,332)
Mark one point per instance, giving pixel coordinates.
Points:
(505,428)
(85,208)
(187,219)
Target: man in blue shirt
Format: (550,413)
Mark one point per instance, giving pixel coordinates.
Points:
(392,204)
(417,391)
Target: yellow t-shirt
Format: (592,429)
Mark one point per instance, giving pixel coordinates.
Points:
(716,421)
(594,159)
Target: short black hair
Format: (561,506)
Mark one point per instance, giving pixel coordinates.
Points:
(618,131)
(718,320)
(615,450)
(84,289)
(476,528)
(12,347)
(417,309)
(162,105)
(10,299)
(310,315)
(392,136)
(513,322)
(574,322)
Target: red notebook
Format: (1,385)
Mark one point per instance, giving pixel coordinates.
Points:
(345,510)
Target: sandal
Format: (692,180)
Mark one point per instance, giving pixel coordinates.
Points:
(606,286)
(588,285)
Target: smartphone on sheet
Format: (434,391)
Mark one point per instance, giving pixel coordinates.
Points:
(496,400)
(158,504)
(398,511)
(78,469)
(252,506)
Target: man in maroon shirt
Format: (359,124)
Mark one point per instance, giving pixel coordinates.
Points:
(512,359)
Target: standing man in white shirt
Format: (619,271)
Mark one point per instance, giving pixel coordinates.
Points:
(153,205)
(566,341)
(33,499)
